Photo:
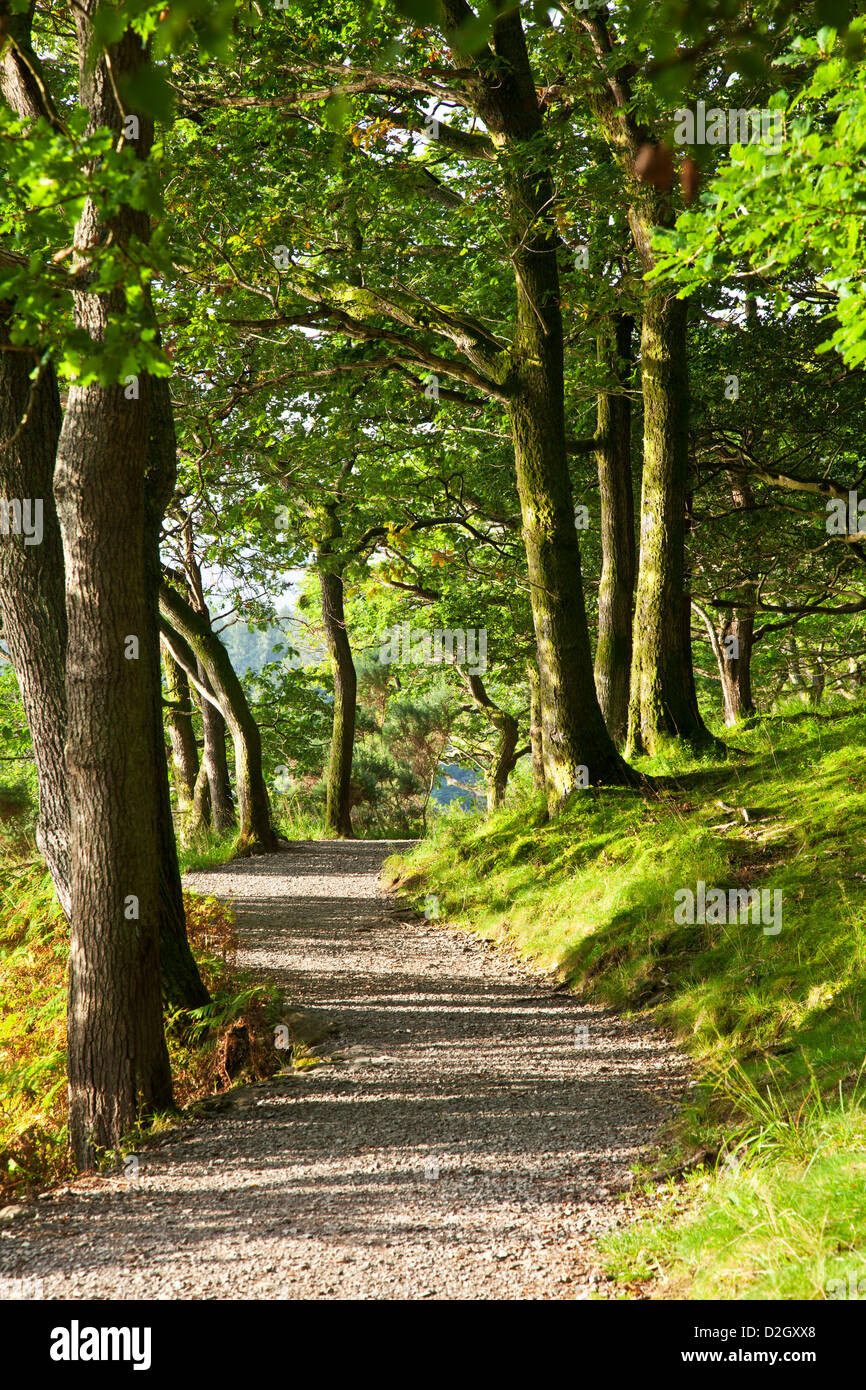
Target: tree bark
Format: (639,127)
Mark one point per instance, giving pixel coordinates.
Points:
(616,587)
(733,658)
(504,758)
(737,635)
(179,616)
(118,1065)
(32,600)
(222,807)
(736,671)
(577,745)
(663,701)
(182,985)
(200,814)
(33,416)
(662,698)
(32,597)
(184,751)
(535,738)
(338,814)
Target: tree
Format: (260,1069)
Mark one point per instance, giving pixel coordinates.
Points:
(118,1064)
(111,454)
(616,585)
(192,641)
(338,816)
(494,82)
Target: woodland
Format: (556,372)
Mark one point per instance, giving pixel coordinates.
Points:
(439,422)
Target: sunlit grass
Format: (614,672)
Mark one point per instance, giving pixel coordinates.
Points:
(774,1023)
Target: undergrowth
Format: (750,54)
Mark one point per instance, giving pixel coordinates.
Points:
(211,1048)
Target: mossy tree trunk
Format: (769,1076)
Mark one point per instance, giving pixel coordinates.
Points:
(662,697)
(338,812)
(616,587)
(577,745)
(219,798)
(505,755)
(535,737)
(179,617)
(663,701)
(178,716)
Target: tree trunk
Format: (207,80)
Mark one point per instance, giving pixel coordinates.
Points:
(616,587)
(189,775)
(735,665)
(118,1065)
(663,700)
(792,661)
(504,758)
(32,600)
(184,752)
(118,1062)
(817,678)
(736,668)
(32,597)
(222,807)
(182,985)
(43,680)
(535,738)
(732,648)
(256,831)
(199,816)
(578,749)
(338,814)
(577,746)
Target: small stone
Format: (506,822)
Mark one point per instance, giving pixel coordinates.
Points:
(14,1213)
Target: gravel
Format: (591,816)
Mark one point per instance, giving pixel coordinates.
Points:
(472,1136)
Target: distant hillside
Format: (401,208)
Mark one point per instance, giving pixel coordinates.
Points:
(251,648)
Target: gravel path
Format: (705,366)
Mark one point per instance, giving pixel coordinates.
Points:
(468,1141)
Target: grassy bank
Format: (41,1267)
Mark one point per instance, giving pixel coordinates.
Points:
(775,1204)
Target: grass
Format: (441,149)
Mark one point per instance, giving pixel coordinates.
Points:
(783,1217)
(206,850)
(774,1023)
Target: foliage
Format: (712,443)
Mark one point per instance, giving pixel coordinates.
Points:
(773,207)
